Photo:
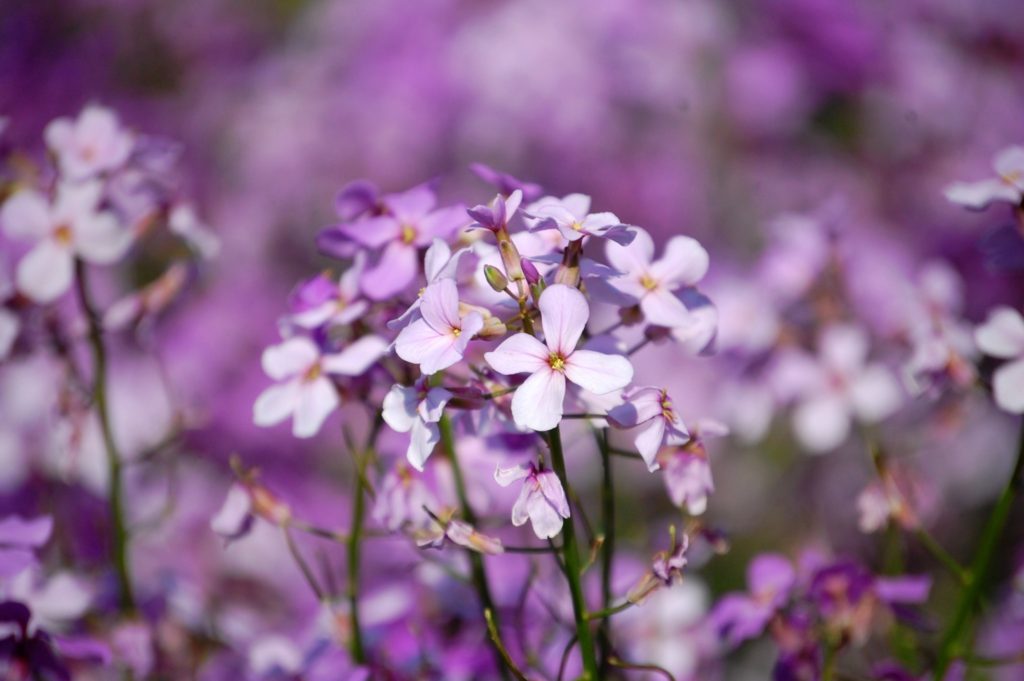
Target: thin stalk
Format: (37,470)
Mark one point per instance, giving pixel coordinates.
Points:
(492,629)
(355,536)
(608,546)
(959,628)
(609,611)
(571,554)
(479,573)
(115,491)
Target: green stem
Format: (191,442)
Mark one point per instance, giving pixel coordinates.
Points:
(959,627)
(479,573)
(115,492)
(571,554)
(355,536)
(608,547)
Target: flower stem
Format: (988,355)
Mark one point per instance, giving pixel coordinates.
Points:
(959,627)
(608,546)
(476,561)
(571,554)
(355,536)
(115,485)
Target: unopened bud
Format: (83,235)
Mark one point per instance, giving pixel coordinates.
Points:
(530,272)
(511,260)
(495,279)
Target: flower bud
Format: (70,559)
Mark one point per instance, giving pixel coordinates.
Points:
(495,279)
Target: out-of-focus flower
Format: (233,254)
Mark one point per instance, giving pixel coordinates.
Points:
(19,538)
(319,300)
(439,338)
(10,326)
(739,617)
(838,385)
(506,184)
(90,145)
(184,222)
(572,218)
(496,215)
(649,410)
(73,226)
(1002,336)
(55,602)
(666,568)
(401,499)
(305,390)
(460,533)
(538,402)
(651,282)
(1008,185)
(234,519)
(150,300)
(416,410)
(687,468)
(542,500)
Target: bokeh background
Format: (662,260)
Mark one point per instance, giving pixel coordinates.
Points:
(711,119)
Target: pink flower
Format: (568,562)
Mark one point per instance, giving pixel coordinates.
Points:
(92,144)
(542,500)
(537,403)
(1008,185)
(649,411)
(401,498)
(439,338)
(72,227)
(319,301)
(687,468)
(652,282)
(1002,336)
(416,410)
(438,263)
(460,533)
(305,391)
(496,215)
(571,216)
(836,387)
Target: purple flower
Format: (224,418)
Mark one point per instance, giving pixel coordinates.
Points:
(572,218)
(410,221)
(538,402)
(439,338)
(318,300)
(506,184)
(652,282)
(18,539)
(416,410)
(649,411)
(305,390)
(71,227)
(739,617)
(1002,336)
(1008,185)
(496,215)
(401,498)
(234,519)
(666,568)
(687,469)
(542,500)
(92,144)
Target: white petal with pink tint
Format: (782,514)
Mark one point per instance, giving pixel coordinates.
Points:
(355,358)
(317,399)
(1002,334)
(518,354)
(46,272)
(289,358)
(597,372)
(684,263)
(564,314)
(26,215)
(537,403)
(276,403)
(1008,386)
(822,423)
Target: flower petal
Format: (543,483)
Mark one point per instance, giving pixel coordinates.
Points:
(26,215)
(317,399)
(356,358)
(275,404)
(1002,334)
(538,402)
(518,354)
(551,488)
(100,239)
(564,314)
(420,344)
(45,273)
(822,423)
(422,440)
(684,263)
(978,195)
(392,274)
(440,305)
(662,308)
(506,476)
(634,258)
(597,372)
(875,394)
(399,408)
(290,358)
(1008,386)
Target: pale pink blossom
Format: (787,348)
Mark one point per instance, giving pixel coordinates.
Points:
(687,469)
(319,300)
(438,263)
(571,216)
(92,144)
(305,390)
(1007,185)
(652,283)
(538,402)
(542,500)
(416,410)
(1002,336)
(71,227)
(439,338)
(649,412)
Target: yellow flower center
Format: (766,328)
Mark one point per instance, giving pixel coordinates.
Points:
(577,226)
(312,373)
(63,235)
(1011,178)
(648,282)
(456,332)
(557,362)
(666,407)
(408,234)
